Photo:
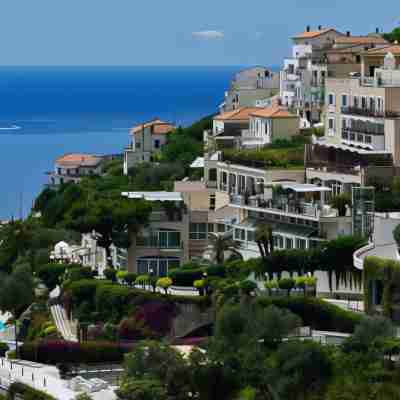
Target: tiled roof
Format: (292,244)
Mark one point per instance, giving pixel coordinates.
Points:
(159,127)
(394,49)
(241,114)
(273,112)
(79,160)
(312,34)
(360,40)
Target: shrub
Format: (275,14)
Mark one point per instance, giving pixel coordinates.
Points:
(3,349)
(50,330)
(142,280)
(130,278)
(142,389)
(247,286)
(341,202)
(121,275)
(157,316)
(164,283)
(20,390)
(51,274)
(85,290)
(132,329)
(286,284)
(317,313)
(185,277)
(110,274)
(60,351)
(271,284)
(77,273)
(112,301)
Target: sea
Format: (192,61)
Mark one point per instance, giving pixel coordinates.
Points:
(46,112)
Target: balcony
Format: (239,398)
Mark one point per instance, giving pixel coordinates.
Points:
(334,168)
(157,243)
(284,206)
(363,112)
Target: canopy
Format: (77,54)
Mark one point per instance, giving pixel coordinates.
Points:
(154,196)
(197,163)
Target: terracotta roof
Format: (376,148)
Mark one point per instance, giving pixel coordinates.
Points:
(394,49)
(159,127)
(312,34)
(360,40)
(273,112)
(240,114)
(79,160)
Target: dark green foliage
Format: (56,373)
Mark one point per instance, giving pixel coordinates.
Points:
(387,272)
(247,286)
(317,313)
(301,368)
(51,274)
(185,277)
(286,284)
(396,235)
(393,36)
(110,274)
(3,349)
(59,351)
(142,389)
(19,390)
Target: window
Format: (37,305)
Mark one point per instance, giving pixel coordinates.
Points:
(251,236)
(344,100)
(212,202)
(221,228)
(198,231)
(355,102)
(278,241)
(138,145)
(360,137)
(158,265)
(331,99)
(240,234)
(352,137)
(363,102)
(289,243)
(157,144)
(345,135)
(210,227)
(368,139)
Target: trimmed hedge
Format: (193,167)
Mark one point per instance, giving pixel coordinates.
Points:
(50,274)
(186,275)
(20,390)
(316,313)
(60,351)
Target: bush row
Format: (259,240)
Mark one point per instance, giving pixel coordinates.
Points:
(21,391)
(60,351)
(186,275)
(317,313)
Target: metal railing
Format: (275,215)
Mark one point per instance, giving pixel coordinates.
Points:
(366,112)
(334,168)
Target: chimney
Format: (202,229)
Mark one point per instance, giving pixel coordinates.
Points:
(320,27)
(348,33)
(308,28)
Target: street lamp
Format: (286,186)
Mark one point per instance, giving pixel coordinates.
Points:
(205,275)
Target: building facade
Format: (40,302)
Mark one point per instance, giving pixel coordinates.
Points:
(73,167)
(146,140)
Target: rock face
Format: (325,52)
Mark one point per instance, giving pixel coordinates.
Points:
(189,318)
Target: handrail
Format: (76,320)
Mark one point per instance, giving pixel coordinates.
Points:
(357,260)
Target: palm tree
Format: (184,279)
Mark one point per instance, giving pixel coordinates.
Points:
(220,244)
(265,240)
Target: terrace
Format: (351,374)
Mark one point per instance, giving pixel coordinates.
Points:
(287,198)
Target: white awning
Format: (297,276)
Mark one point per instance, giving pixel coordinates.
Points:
(350,148)
(154,196)
(302,187)
(197,163)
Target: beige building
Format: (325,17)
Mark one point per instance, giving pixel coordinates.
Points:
(362,128)
(179,227)
(73,167)
(270,124)
(146,140)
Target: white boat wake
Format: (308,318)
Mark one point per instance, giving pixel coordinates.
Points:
(10,128)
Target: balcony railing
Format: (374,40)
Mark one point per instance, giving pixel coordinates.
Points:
(153,242)
(294,208)
(364,112)
(334,168)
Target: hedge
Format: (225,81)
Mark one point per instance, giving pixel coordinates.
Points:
(317,313)
(185,276)
(50,274)
(20,390)
(60,351)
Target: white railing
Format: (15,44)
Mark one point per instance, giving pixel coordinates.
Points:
(358,260)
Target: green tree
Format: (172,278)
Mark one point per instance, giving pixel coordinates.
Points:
(16,294)
(265,240)
(341,202)
(142,389)
(393,36)
(221,244)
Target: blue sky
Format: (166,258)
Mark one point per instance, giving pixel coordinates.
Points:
(173,32)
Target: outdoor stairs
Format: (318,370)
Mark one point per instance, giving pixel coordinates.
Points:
(63,324)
